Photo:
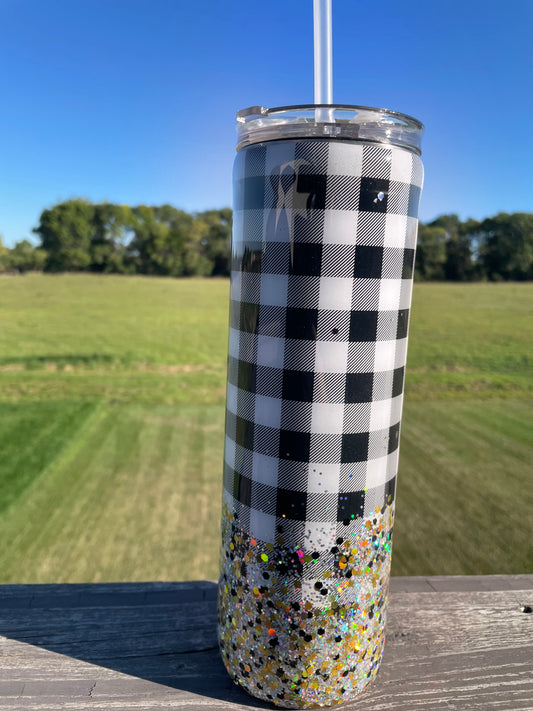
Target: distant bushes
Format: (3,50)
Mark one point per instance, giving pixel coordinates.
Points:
(78,235)
(497,248)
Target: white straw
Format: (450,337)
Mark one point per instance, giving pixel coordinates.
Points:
(323,56)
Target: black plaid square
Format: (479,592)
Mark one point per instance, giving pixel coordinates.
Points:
(242,489)
(359,387)
(368,262)
(408,263)
(414,201)
(373,195)
(244,435)
(249,314)
(298,385)
(312,191)
(301,323)
(394,437)
(390,491)
(403,323)
(252,193)
(229,478)
(294,445)
(397,381)
(246,378)
(363,325)
(305,259)
(251,258)
(291,504)
(354,447)
(351,505)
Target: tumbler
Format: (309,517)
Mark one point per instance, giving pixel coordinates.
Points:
(325,223)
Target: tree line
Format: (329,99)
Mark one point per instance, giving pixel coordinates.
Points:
(78,235)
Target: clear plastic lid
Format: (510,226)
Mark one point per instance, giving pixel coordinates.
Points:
(349,123)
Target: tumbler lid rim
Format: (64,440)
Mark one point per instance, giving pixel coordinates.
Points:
(259,124)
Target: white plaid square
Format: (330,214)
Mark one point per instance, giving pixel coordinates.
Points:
(411,233)
(327,418)
(376,472)
(267,411)
(335,293)
(331,357)
(380,415)
(389,296)
(405,294)
(401,166)
(265,469)
(232,392)
(400,356)
(270,351)
(384,357)
(340,226)
(229,452)
(323,478)
(274,289)
(319,535)
(233,342)
(263,525)
(395,231)
(345,162)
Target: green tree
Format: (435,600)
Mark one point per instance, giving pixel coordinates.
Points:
(25,257)
(430,253)
(111,232)
(65,231)
(459,264)
(506,246)
(216,226)
(4,251)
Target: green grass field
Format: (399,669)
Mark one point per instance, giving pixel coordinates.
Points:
(111,429)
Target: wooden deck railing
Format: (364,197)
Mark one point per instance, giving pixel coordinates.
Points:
(453,644)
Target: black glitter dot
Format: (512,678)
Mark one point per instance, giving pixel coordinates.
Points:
(346,521)
(323,591)
(339,540)
(334,549)
(307,637)
(318,585)
(338,638)
(320,631)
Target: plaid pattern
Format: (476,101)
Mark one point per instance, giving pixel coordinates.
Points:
(323,254)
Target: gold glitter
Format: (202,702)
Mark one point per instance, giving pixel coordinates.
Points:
(297,634)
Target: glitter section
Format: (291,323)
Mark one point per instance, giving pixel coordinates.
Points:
(299,641)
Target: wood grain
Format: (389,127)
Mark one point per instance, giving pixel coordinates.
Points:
(453,644)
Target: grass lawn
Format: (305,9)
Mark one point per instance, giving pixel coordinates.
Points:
(111,429)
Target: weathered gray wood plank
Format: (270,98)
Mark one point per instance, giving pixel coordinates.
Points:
(453,643)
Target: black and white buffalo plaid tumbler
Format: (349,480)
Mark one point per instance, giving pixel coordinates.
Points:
(325,224)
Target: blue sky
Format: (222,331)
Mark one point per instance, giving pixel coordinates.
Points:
(134,101)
